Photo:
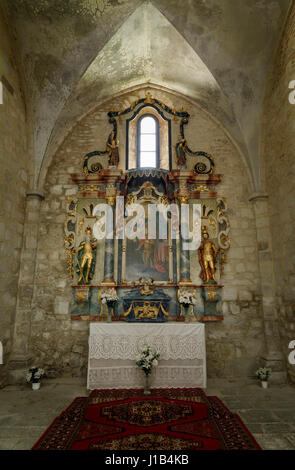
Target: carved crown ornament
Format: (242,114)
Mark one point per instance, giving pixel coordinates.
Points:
(147,193)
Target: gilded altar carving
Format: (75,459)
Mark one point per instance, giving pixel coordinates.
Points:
(80,225)
(69,257)
(82,295)
(204,162)
(111,194)
(70,233)
(224,229)
(148,193)
(149,99)
(147,310)
(212,294)
(162,257)
(152,187)
(202,189)
(145,286)
(130,199)
(183,194)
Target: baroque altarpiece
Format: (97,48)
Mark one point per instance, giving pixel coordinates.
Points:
(147,277)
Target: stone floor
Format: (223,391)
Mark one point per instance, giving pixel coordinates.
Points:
(269,414)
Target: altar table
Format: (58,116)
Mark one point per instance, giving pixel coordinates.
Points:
(113,348)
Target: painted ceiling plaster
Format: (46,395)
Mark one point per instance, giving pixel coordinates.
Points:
(75,54)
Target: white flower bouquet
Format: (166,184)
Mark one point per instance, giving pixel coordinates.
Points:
(109,297)
(35,375)
(263,373)
(186,298)
(147,359)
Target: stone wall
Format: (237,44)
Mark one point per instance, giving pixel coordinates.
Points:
(59,344)
(279,162)
(13,185)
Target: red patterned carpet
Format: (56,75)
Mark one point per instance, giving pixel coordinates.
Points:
(169,419)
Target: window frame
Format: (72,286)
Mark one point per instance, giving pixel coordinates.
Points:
(138,134)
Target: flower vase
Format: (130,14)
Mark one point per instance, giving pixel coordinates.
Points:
(36,385)
(147,385)
(110,313)
(186,309)
(264,383)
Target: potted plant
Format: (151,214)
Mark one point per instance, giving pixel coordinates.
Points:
(34,376)
(263,373)
(146,360)
(110,298)
(186,299)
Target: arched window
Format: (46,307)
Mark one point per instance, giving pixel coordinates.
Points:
(148,142)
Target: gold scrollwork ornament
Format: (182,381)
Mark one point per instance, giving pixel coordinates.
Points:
(146,311)
(223,236)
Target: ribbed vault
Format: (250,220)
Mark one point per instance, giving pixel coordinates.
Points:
(75,54)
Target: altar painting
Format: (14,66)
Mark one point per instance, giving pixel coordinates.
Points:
(148,258)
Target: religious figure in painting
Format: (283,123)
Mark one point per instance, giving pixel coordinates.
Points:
(181,149)
(207,257)
(113,149)
(162,252)
(86,257)
(147,247)
(147,257)
(154,253)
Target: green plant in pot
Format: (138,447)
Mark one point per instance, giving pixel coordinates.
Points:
(263,374)
(34,376)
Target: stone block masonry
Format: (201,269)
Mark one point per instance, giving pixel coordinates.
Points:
(279,162)
(14,179)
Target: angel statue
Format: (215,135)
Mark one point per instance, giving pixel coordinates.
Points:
(181,149)
(145,287)
(113,149)
(86,258)
(207,257)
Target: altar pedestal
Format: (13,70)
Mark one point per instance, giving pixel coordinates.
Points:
(113,349)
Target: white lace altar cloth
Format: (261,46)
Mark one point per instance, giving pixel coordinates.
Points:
(113,348)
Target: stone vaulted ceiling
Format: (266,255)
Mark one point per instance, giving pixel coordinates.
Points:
(76,53)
